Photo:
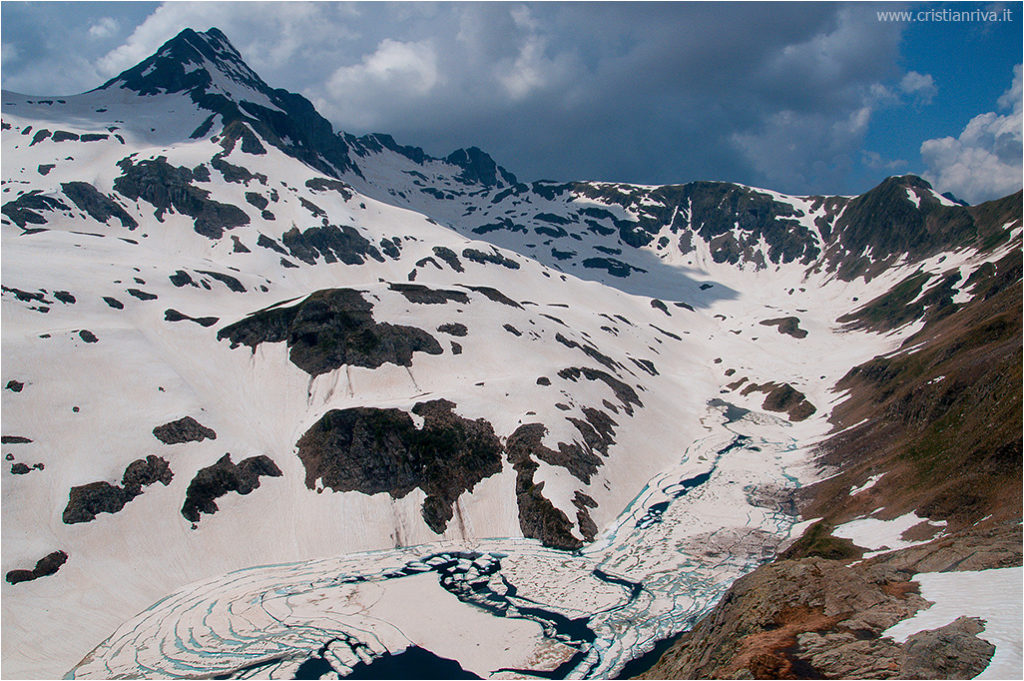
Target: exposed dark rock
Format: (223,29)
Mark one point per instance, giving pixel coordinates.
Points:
(417,293)
(17,386)
(787,325)
(166,186)
(226,279)
(786,398)
(614,267)
(144,472)
(257,199)
(86,501)
(238,246)
(236,130)
(182,278)
(494,257)
(27,296)
(40,136)
(87,336)
(449,256)
(263,241)
(454,329)
(26,208)
(20,469)
(373,450)
(660,305)
(185,429)
(113,302)
(330,242)
(322,184)
(64,136)
(314,209)
(538,517)
(583,502)
(480,168)
(543,380)
(172,315)
(512,330)
(235,174)
(666,333)
(14,440)
(494,295)
(97,205)
(625,394)
(589,350)
(45,566)
(45,168)
(140,294)
(393,249)
(456,348)
(646,365)
(329,329)
(222,477)
(64,297)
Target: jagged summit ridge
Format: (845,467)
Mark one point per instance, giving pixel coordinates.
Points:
(190,61)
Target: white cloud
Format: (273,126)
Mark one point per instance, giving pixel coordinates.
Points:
(9,52)
(267,34)
(984,161)
(394,73)
(794,149)
(874,160)
(920,86)
(104,28)
(411,67)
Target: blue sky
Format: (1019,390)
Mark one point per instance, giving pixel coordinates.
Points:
(807,98)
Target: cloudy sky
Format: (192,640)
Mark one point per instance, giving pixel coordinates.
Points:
(803,98)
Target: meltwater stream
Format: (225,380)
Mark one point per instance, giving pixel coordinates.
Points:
(663,563)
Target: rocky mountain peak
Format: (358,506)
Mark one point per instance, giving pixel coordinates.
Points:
(195,62)
(478,166)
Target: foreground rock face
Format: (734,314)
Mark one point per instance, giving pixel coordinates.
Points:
(938,432)
(819,618)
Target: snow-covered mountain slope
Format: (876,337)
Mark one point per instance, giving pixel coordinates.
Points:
(318,345)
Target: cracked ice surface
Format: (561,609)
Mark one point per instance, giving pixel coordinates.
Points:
(501,607)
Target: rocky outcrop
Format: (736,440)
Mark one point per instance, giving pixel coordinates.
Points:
(223,477)
(329,329)
(165,187)
(789,326)
(373,450)
(423,295)
(98,206)
(538,517)
(331,243)
(783,397)
(185,429)
(951,652)
(811,618)
(45,566)
(86,501)
(172,315)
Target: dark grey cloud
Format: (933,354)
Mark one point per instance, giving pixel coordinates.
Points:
(771,94)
